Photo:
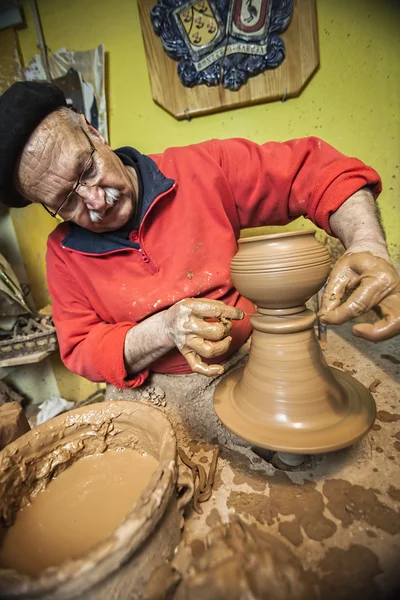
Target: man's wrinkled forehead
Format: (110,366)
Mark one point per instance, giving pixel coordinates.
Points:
(55,148)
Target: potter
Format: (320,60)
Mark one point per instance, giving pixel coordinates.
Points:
(143,235)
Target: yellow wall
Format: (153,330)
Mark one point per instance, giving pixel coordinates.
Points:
(352,101)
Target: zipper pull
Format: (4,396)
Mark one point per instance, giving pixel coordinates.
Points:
(144,256)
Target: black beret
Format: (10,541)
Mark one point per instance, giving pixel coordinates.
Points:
(22,107)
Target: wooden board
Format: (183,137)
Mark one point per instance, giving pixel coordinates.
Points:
(302,60)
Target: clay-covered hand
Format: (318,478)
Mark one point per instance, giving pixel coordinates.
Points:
(374,284)
(195,337)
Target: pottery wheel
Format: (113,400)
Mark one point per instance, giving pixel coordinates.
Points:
(267,432)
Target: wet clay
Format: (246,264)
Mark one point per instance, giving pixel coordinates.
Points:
(241,561)
(142,541)
(78,509)
(287,398)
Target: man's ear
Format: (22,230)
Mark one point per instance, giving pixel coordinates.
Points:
(89,127)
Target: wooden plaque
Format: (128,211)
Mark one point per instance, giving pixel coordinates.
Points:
(288,80)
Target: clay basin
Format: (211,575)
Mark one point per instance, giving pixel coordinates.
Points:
(280,271)
(119,565)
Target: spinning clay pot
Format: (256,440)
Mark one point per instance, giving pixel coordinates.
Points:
(287,398)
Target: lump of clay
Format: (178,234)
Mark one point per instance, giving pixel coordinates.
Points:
(13,423)
(242,562)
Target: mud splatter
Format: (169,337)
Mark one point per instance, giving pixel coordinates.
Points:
(387,417)
(214,518)
(394,493)
(197,547)
(291,531)
(194,447)
(349,574)
(376,427)
(244,471)
(203,459)
(350,503)
(287,498)
(379,449)
(371,533)
(397,446)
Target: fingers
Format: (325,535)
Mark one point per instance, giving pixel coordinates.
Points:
(377,332)
(365,296)
(210,331)
(205,308)
(198,366)
(385,328)
(206,348)
(335,289)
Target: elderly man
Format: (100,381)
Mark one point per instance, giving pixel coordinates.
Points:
(141,260)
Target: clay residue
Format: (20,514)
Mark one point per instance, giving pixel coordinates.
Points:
(213,519)
(291,530)
(243,470)
(287,498)
(77,510)
(387,417)
(244,473)
(197,547)
(394,493)
(349,574)
(240,561)
(350,503)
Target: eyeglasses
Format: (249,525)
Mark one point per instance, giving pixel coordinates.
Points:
(79,182)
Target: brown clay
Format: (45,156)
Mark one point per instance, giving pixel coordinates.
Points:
(13,423)
(287,398)
(78,509)
(146,536)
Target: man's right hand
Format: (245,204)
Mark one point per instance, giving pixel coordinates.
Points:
(197,338)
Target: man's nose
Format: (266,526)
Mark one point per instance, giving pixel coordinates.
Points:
(93,197)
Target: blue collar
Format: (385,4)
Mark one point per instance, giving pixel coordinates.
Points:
(154,184)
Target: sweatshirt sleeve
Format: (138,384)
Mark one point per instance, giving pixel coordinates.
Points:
(88,346)
(274,183)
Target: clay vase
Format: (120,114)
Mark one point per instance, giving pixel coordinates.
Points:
(287,398)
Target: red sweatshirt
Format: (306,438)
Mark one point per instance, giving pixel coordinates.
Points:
(195,201)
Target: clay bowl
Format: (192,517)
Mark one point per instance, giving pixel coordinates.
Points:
(144,540)
(281,270)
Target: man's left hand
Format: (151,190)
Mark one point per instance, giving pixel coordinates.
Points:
(375,285)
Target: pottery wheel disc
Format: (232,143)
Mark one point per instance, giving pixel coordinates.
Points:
(346,430)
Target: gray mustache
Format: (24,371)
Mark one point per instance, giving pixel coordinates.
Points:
(111,197)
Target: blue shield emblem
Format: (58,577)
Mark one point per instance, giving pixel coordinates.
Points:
(222,41)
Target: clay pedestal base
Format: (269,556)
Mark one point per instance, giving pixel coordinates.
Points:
(286,398)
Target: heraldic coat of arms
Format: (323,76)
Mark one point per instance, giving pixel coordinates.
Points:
(222,41)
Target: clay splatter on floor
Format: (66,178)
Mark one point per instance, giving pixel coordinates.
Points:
(286,498)
(213,519)
(244,471)
(350,503)
(387,417)
(349,574)
(197,547)
(394,493)
(291,530)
